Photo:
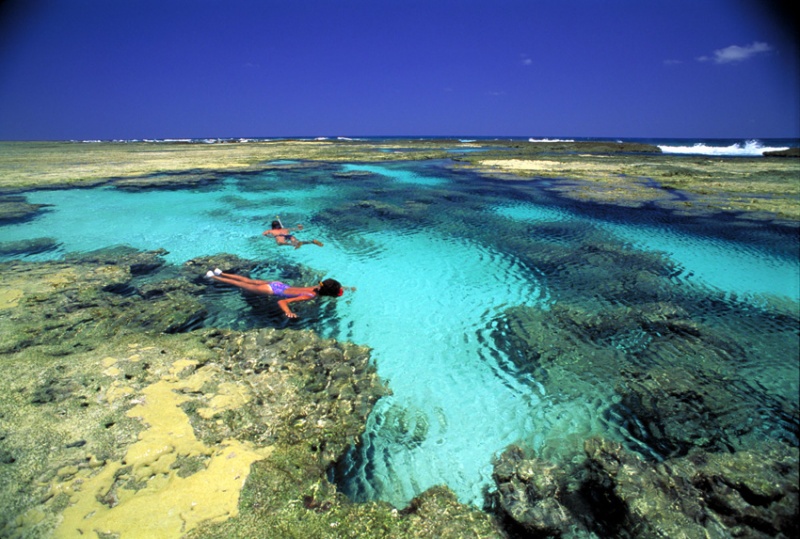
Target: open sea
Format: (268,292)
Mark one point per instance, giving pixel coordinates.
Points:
(726,147)
(459,276)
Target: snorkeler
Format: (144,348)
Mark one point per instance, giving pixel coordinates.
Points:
(283,236)
(290,294)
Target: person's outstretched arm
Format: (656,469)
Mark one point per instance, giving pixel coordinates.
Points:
(284,304)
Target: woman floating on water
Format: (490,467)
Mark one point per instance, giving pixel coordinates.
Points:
(283,236)
(290,294)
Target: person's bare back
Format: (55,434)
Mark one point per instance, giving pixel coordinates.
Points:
(284,236)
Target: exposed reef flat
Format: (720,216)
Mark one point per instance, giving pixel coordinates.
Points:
(29,165)
(764,188)
(625,174)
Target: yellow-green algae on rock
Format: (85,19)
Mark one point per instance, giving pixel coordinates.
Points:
(759,187)
(30,165)
(211,494)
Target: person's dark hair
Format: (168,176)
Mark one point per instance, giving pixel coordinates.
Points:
(276,224)
(330,287)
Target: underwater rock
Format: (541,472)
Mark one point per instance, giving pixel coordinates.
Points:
(528,493)
(138,262)
(404,425)
(666,404)
(168,286)
(608,271)
(171,181)
(28,247)
(65,306)
(355,175)
(16,208)
(614,493)
(366,213)
(196,268)
(674,410)
(563,337)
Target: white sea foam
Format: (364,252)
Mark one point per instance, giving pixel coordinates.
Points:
(743,149)
(549,140)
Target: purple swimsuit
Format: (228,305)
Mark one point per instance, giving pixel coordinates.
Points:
(279,289)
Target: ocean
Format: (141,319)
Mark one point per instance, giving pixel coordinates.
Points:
(723,147)
(497,313)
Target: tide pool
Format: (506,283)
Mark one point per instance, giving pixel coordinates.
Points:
(437,258)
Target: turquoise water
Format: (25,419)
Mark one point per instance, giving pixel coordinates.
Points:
(729,267)
(437,258)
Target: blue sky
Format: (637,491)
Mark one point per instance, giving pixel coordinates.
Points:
(114,69)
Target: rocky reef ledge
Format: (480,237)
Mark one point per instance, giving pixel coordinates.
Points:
(614,493)
(123,417)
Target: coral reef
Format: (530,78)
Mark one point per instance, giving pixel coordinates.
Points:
(125,379)
(707,444)
(119,404)
(613,493)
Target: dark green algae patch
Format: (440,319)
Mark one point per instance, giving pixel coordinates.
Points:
(86,342)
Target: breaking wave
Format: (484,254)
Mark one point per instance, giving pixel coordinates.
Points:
(550,140)
(754,148)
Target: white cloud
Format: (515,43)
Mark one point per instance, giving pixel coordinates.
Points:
(735,53)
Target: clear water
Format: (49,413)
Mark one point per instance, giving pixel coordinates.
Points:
(733,268)
(437,257)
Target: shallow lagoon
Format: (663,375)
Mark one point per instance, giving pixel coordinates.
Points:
(433,254)
(438,258)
